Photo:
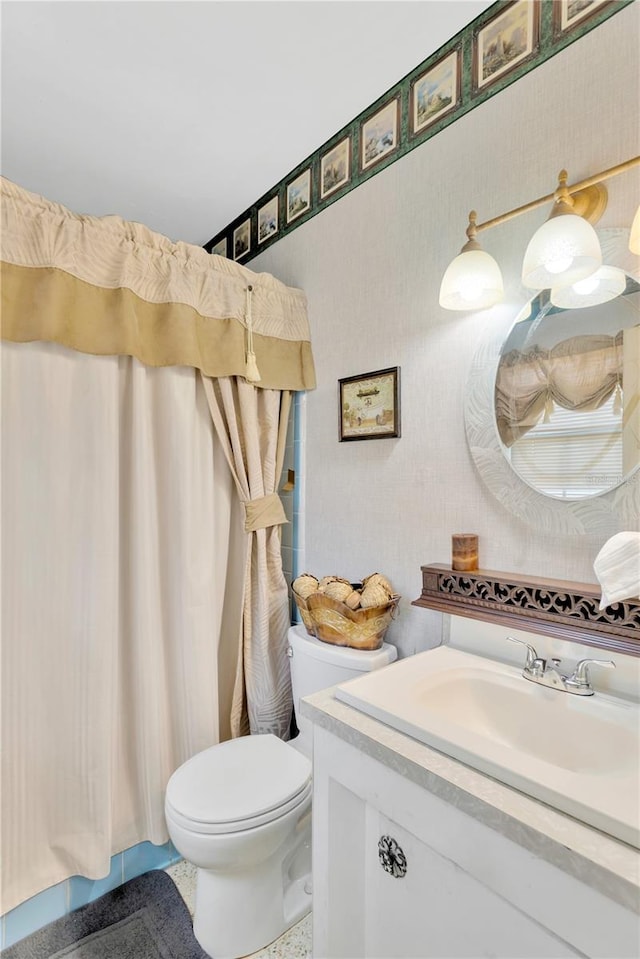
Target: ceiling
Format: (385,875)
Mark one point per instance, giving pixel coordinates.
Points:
(180,115)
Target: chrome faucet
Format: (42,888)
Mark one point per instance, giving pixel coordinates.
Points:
(537,670)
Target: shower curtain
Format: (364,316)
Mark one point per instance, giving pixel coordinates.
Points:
(262,691)
(116,532)
(125,544)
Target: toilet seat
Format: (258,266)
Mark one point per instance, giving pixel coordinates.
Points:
(236,825)
(238,785)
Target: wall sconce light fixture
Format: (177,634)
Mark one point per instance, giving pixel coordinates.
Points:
(566,248)
(563,252)
(473,280)
(603,285)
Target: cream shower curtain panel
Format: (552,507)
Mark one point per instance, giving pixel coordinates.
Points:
(252,426)
(116,533)
(128,557)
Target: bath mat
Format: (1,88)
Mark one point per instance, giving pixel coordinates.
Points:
(146,918)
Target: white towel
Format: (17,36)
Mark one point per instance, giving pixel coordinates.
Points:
(617,567)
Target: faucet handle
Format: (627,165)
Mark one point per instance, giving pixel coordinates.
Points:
(580,675)
(532,655)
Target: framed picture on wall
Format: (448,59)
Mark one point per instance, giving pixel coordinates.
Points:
(435,92)
(507,40)
(242,240)
(335,167)
(220,249)
(299,196)
(568,13)
(380,134)
(268,220)
(369,405)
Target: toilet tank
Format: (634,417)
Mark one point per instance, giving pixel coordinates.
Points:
(316,665)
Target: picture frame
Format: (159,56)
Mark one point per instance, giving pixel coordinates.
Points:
(299,195)
(268,219)
(568,13)
(242,240)
(510,38)
(335,167)
(369,405)
(380,134)
(436,91)
(221,248)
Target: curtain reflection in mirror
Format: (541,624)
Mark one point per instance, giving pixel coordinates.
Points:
(566,396)
(581,373)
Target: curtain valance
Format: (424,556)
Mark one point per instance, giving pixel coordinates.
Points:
(577,374)
(103,285)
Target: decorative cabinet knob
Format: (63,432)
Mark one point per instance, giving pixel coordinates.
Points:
(392,859)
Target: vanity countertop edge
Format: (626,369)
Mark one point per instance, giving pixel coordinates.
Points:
(594,858)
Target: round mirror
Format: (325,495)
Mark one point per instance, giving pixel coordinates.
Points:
(566,397)
(552,408)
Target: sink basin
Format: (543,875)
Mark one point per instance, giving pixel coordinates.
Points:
(580,754)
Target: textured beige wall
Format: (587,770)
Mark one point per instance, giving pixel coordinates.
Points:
(371,266)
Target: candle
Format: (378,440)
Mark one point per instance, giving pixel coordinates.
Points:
(464,551)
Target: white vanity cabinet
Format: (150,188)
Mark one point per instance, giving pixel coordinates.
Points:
(454,883)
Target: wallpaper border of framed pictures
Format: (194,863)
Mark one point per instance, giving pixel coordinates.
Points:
(508,40)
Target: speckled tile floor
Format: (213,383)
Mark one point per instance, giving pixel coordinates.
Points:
(296,942)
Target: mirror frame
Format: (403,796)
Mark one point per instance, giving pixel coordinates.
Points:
(605,513)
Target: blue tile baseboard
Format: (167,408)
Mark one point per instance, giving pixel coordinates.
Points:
(145,856)
(82,890)
(77,891)
(36,912)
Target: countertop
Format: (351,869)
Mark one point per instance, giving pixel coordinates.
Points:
(596,859)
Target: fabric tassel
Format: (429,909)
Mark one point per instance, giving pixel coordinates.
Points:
(548,409)
(251,372)
(617,401)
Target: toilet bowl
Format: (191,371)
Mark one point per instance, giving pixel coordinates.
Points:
(241,813)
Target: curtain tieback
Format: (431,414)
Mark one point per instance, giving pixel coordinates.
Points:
(262,512)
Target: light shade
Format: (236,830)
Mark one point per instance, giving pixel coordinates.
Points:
(603,285)
(634,239)
(564,250)
(473,281)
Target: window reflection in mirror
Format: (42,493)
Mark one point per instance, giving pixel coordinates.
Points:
(567,403)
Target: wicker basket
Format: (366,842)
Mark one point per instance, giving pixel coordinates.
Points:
(333,622)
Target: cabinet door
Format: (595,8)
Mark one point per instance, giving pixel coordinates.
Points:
(435,908)
(466,890)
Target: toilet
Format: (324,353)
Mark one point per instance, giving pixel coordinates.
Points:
(241,813)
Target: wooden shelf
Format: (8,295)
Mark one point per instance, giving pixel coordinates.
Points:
(552,607)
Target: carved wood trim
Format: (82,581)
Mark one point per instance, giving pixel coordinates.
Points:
(547,606)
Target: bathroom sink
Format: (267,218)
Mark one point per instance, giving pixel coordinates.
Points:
(580,754)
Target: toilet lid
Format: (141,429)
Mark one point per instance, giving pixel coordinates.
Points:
(238,780)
